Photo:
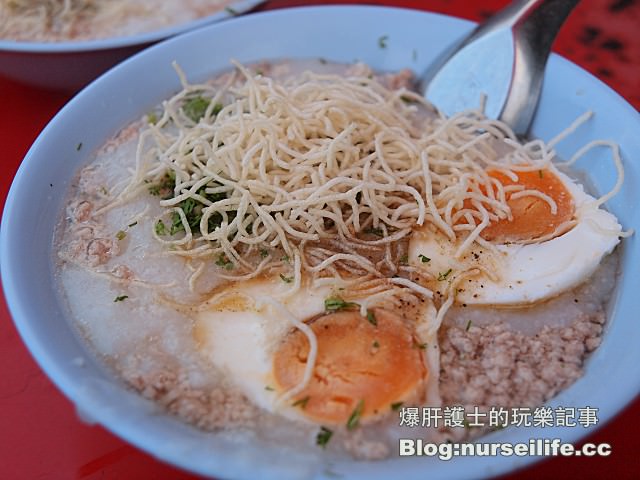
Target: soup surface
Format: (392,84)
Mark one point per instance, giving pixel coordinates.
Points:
(305,251)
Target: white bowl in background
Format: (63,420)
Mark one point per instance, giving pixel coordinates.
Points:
(72,65)
(340,34)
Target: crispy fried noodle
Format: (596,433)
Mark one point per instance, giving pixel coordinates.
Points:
(323,174)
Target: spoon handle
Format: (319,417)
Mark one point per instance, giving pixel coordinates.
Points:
(504,58)
(535,25)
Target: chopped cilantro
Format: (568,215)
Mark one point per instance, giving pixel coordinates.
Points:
(191,207)
(164,187)
(404,259)
(372,318)
(424,259)
(286,279)
(264,253)
(442,276)
(120,298)
(302,403)
(160,228)
(285,258)
(196,107)
(217,108)
(335,304)
(152,118)
(382,41)
(323,436)
(468,326)
(354,418)
(121,235)
(396,406)
(79,146)
(132,224)
(224,262)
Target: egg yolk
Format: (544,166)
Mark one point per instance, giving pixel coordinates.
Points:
(532,216)
(358,363)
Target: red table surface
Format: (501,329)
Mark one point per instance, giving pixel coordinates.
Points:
(40,434)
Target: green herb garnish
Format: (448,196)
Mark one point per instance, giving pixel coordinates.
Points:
(354,419)
(132,224)
(468,326)
(286,279)
(382,41)
(372,318)
(152,118)
(121,235)
(264,253)
(424,259)
(164,187)
(121,298)
(335,304)
(224,262)
(196,107)
(285,258)
(191,207)
(160,228)
(396,406)
(269,389)
(404,259)
(323,436)
(302,403)
(442,276)
(79,146)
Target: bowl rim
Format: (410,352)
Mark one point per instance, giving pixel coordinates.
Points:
(139,438)
(144,38)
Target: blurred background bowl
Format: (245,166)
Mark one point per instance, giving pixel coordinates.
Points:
(72,65)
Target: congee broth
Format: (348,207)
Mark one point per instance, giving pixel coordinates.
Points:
(300,250)
(72,20)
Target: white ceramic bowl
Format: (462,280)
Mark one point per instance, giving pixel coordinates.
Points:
(72,65)
(341,34)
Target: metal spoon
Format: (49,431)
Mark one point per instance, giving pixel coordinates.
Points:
(504,58)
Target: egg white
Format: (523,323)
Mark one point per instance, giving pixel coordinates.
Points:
(528,273)
(238,331)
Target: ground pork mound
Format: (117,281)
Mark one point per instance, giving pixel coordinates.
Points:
(494,366)
(209,409)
